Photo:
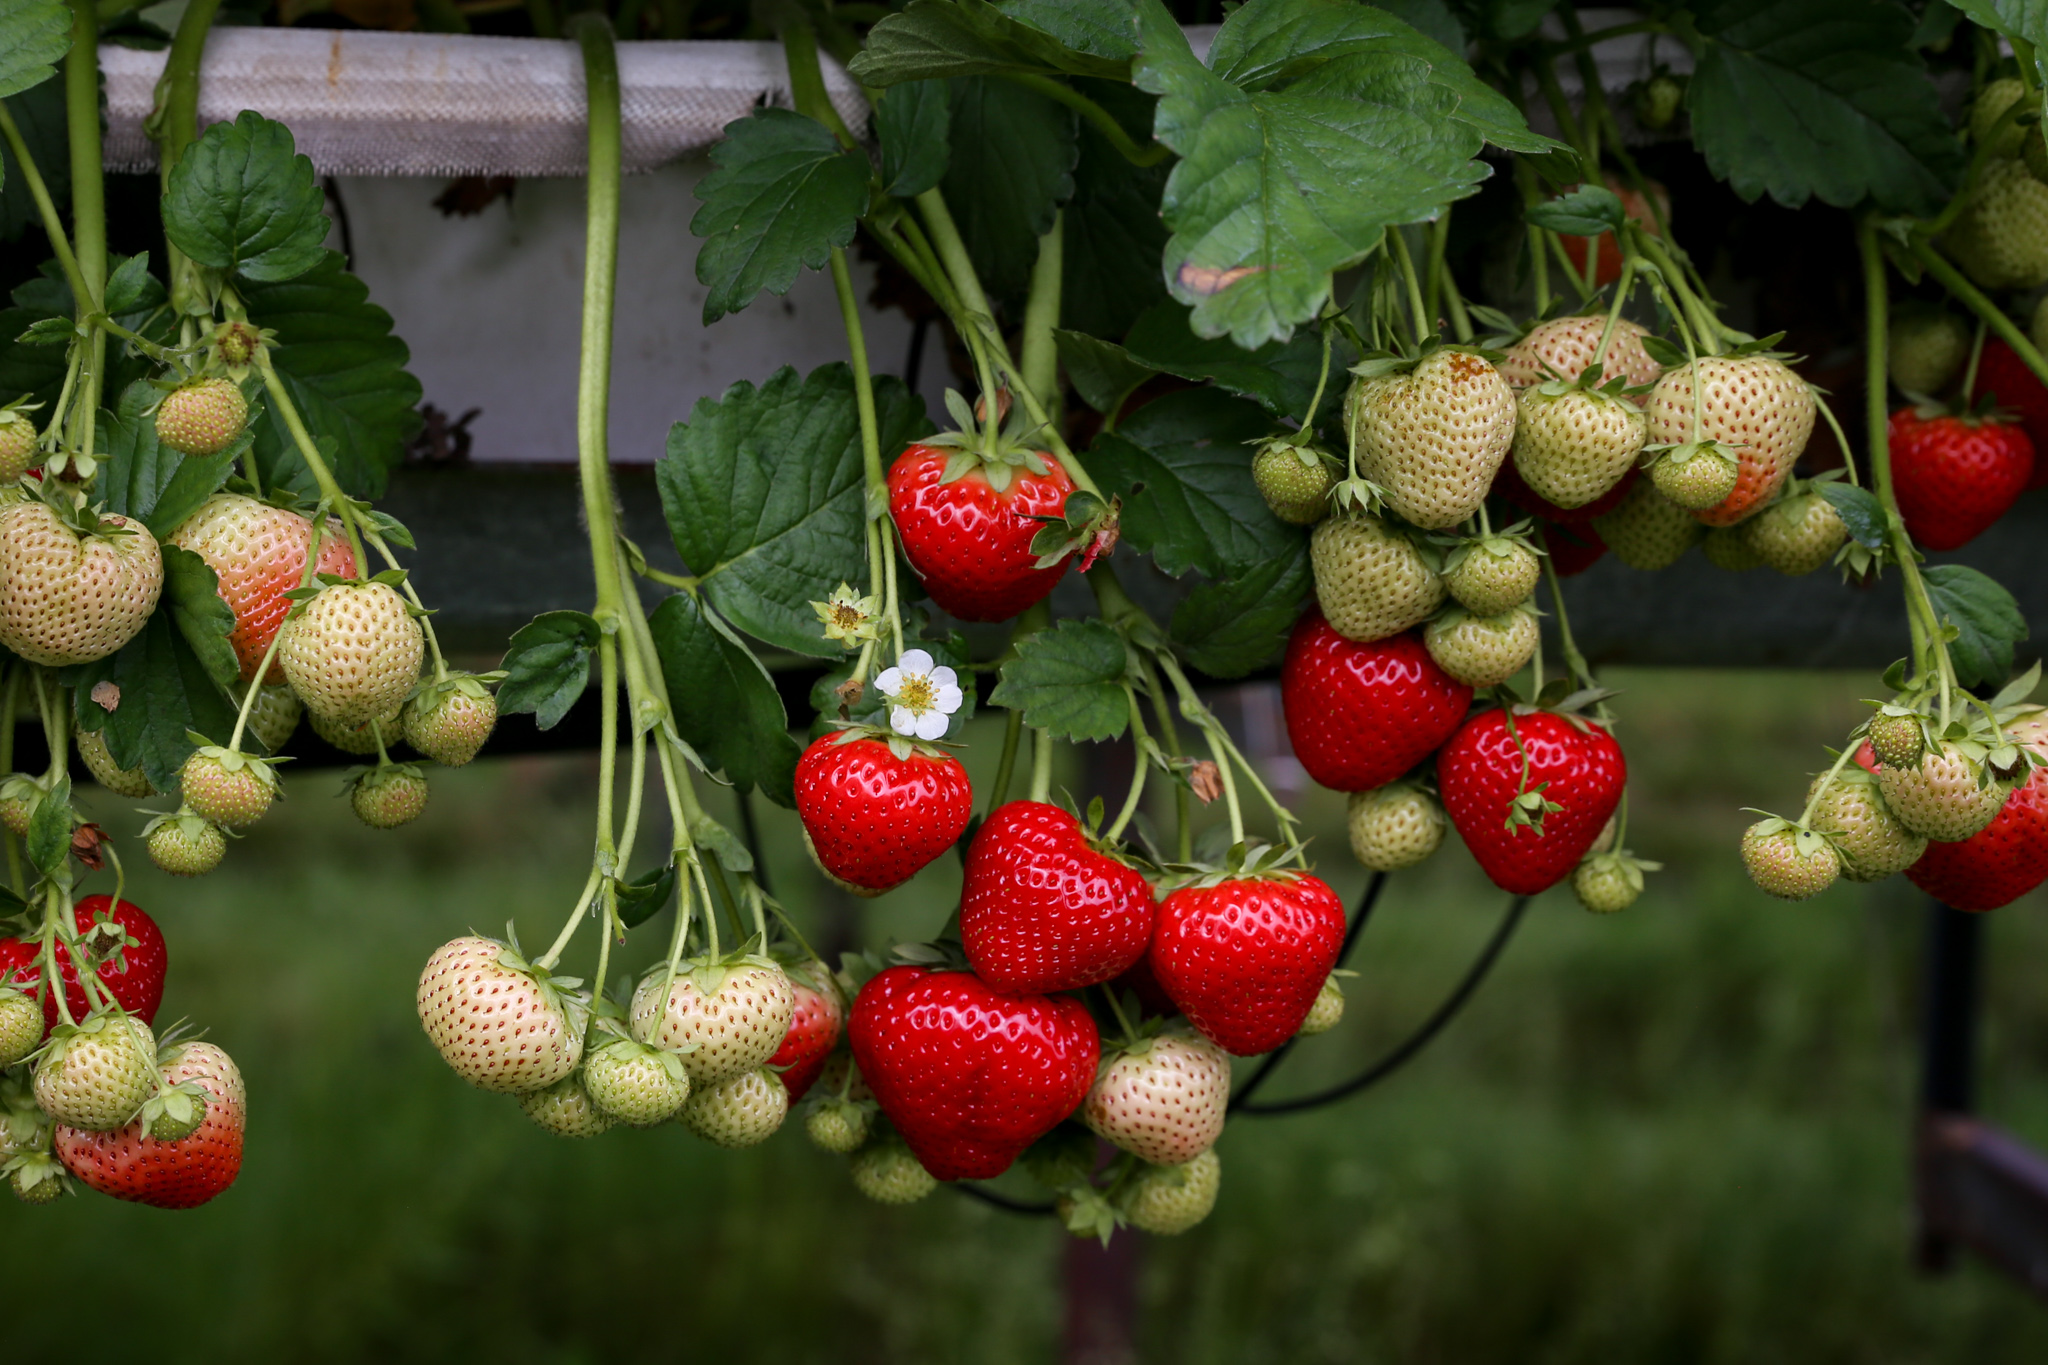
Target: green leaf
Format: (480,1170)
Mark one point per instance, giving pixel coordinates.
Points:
(167,695)
(242,199)
(1859,511)
(49,828)
(38,371)
(913,122)
(1820,98)
(1101,28)
(192,595)
(1587,211)
(131,288)
(725,704)
(346,374)
(784,194)
(1103,372)
(547,666)
(39,114)
(1281,375)
(928,39)
(1332,46)
(34,36)
(1069,681)
(147,481)
(1183,465)
(1111,237)
(1988,622)
(763,493)
(1270,197)
(1013,166)
(641,899)
(1231,627)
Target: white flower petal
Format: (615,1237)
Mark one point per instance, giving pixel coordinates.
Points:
(944,677)
(931,725)
(949,699)
(889,681)
(903,721)
(914,661)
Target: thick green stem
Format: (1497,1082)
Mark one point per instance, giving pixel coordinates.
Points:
(1397,245)
(600,284)
(1567,646)
(175,126)
(1041,765)
(807,80)
(46,207)
(1140,765)
(952,253)
(1041,358)
(999,790)
(88,201)
(1104,122)
(330,488)
(10,702)
(864,401)
(1929,650)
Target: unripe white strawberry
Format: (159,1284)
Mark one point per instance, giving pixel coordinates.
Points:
(1943,796)
(274,716)
(1788,862)
(566,1109)
(1609,882)
(1328,1010)
(1927,349)
(21,1027)
(739,1111)
(184,844)
(1395,826)
(1564,347)
(1162,1099)
(737,1015)
(1796,535)
(832,1124)
(389,795)
(353,652)
(96,1074)
(202,416)
(1371,579)
(68,597)
(1754,406)
(1572,445)
(888,1174)
(1167,1200)
(1434,437)
(449,721)
(2000,239)
(227,787)
(1647,530)
(634,1083)
(1482,651)
(258,554)
(496,1021)
(132,783)
(18,453)
(1488,576)
(1871,841)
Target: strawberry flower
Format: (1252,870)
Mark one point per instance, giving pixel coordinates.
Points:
(922,696)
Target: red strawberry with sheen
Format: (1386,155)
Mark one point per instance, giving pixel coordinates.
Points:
(1040,910)
(1999,863)
(1574,763)
(968,1075)
(136,980)
(969,536)
(2004,378)
(1954,476)
(873,819)
(813,1029)
(1360,716)
(1245,959)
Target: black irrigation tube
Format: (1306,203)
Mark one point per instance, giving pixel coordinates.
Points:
(1002,1201)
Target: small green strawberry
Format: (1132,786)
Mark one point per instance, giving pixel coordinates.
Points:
(1482,651)
(1728,549)
(97,1074)
(21,1026)
(1928,348)
(132,783)
(837,1125)
(1294,478)
(1372,580)
(202,416)
(1490,575)
(175,1114)
(389,795)
(1166,1200)
(1328,1010)
(37,1178)
(1870,840)
(1648,531)
(20,794)
(449,721)
(1696,474)
(1658,100)
(739,1111)
(229,788)
(18,452)
(2001,237)
(1897,736)
(1946,796)
(1796,534)
(634,1083)
(1787,861)
(1572,444)
(184,844)
(888,1174)
(1609,882)
(566,1109)
(1395,826)
(1988,109)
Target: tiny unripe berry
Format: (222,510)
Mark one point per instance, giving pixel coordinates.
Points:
(202,417)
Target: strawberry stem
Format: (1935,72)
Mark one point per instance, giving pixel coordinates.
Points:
(1030,621)
(10,700)
(870,438)
(1975,300)
(1621,289)
(1397,251)
(1575,662)
(1820,400)
(1140,766)
(1820,788)
(1970,370)
(1041,765)
(176,128)
(1308,421)
(376,543)
(330,490)
(88,201)
(1041,357)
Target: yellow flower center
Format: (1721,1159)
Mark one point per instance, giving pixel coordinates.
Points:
(916,694)
(847,615)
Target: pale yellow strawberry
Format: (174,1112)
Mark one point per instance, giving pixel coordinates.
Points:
(566,1109)
(1871,841)
(1985,111)
(1786,862)
(1371,580)
(1166,1200)
(1163,1098)
(494,1022)
(1564,347)
(887,1173)
(1328,1010)
(1796,535)
(1927,349)
(738,1111)
(737,1015)
(70,599)
(97,1075)
(1943,796)
(1572,445)
(353,653)
(1754,406)
(1491,575)
(1647,530)
(1433,438)
(1395,826)
(132,783)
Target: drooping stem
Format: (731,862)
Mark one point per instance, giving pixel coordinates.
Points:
(376,542)
(999,790)
(1397,246)
(46,207)
(807,80)
(1041,359)
(870,436)
(1975,300)
(330,488)
(1101,119)
(1315,401)
(1567,646)
(1140,765)
(1041,765)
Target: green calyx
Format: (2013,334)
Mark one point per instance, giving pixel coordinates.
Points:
(995,450)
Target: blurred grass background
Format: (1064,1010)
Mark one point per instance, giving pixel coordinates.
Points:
(1678,1135)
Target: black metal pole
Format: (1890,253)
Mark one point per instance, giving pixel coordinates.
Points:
(1948,1047)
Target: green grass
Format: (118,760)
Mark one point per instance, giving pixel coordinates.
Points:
(1677,1135)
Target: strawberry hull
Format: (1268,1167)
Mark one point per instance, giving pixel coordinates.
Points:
(1246,958)
(970,1076)
(1361,715)
(1480,773)
(1042,911)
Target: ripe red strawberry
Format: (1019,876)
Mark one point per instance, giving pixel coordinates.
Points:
(872,819)
(1360,716)
(1574,764)
(69,596)
(1956,475)
(2005,378)
(968,1075)
(258,552)
(1042,911)
(130,1164)
(813,1029)
(1245,958)
(135,980)
(1999,863)
(969,538)
(202,416)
